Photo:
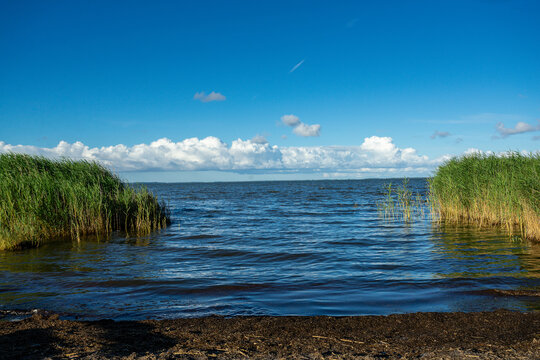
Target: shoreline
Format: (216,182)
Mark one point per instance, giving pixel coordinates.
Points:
(481,335)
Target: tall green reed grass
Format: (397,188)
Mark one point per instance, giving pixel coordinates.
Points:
(43,199)
(487,190)
(501,190)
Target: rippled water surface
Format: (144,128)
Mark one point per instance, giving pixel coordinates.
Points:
(276,248)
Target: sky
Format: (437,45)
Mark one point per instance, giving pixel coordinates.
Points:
(269,90)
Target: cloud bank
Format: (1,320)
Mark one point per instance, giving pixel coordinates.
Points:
(213,96)
(299,128)
(375,154)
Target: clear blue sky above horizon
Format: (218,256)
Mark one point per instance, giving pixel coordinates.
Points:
(436,76)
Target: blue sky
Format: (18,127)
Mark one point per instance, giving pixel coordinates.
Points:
(439,77)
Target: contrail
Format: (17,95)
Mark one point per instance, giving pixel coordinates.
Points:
(296,66)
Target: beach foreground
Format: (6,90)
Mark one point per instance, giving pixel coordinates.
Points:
(483,335)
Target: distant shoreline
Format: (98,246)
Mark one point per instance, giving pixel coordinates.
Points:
(272,181)
(482,335)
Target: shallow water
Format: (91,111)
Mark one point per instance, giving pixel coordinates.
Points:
(276,248)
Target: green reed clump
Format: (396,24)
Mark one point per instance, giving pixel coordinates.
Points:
(43,199)
(490,190)
(400,202)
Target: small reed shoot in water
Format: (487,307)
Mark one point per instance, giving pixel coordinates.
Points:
(401,203)
(43,200)
(386,207)
(490,190)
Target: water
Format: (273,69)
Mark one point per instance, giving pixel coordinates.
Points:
(276,248)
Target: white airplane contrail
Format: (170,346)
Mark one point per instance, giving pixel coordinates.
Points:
(296,66)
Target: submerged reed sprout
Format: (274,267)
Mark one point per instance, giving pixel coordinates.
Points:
(43,199)
(490,190)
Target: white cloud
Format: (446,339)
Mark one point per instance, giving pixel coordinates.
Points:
(375,154)
(376,144)
(213,96)
(259,139)
(307,130)
(471,151)
(290,120)
(296,66)
(299,128)
(441,134)
(520,128)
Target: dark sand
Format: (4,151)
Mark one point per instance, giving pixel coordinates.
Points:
(486,335)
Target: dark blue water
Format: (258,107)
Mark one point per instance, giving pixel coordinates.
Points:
(276,248)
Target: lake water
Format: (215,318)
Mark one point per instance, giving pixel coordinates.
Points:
(276,248)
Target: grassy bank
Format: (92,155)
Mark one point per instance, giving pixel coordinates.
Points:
(490,190)
(43,199)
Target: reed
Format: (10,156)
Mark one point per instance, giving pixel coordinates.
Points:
(401,203)
(490,190)
(43,199)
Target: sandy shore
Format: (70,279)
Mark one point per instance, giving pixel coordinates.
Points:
(486,335)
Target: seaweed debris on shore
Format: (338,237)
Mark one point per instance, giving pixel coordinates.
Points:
(43,199)
(485,335)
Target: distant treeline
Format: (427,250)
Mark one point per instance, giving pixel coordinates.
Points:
(43,200)
(490,190)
